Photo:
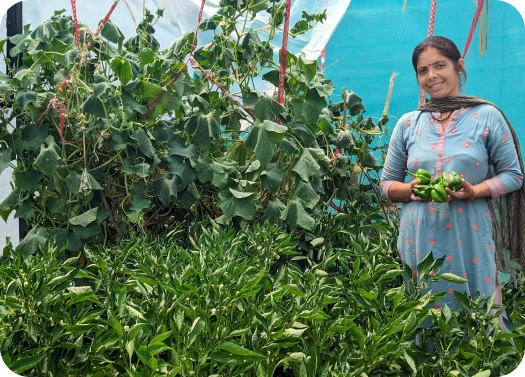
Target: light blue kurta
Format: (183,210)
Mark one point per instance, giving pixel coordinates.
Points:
(460,231)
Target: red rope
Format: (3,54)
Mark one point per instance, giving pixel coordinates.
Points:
(284,51)
(430,32)
(77,65)
(473,27)
(75,21)
(323,52)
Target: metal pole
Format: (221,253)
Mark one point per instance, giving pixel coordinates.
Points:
(14,26)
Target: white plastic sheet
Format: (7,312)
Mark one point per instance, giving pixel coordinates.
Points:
(183,16)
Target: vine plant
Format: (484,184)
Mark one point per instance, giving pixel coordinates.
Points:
(104,163)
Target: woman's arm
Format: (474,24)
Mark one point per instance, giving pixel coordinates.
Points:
(393,176)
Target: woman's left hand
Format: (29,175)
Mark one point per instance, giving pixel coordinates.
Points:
(466,192)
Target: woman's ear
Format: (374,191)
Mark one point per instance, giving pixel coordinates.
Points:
(461,63)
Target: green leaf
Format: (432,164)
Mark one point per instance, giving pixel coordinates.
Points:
(146,56)
(111,32)
(196,328)
(410,361)
(272,177)
(93,105)
(410,322)
(5,159)
(48,159)
(149,91)
(317,241)
(34,240)
(264,107)
(169,102)
(306,166)
(45,32)
(262,139)
(182,168)
(24,97)
(144,142)
(295,215)
(203,128)
(451,278)
(180,48)
(313,314)
(31,138)
(166,187)
(85,219)
(235,203)
(212,171)
(306,194)
(141,169)
(290,332)
(25,210)
(273,211)
(462,299)
(354,103)
(325,122)
(324,87)
(154,348)
(178,147)
(10,203)
(485,373)
(305,134)
(21,364)
(28,179)
(236,349)
(310,108)
(122,69)
(424,266)
(115,324)
(130,103)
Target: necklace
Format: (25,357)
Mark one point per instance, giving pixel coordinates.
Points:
(441,119)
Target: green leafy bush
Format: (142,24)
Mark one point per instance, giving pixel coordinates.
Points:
(224,302)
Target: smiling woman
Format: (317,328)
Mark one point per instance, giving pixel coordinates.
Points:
(470,136)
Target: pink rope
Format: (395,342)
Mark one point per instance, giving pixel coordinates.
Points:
(75,21)
(76,66)
(473,27)
(323,52)
(430,32)
(284,51)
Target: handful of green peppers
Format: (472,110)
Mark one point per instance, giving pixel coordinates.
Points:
(435,188)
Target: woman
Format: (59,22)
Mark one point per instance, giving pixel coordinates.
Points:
(472,137)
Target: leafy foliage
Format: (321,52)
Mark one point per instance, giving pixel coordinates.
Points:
(101,166)
(248,302)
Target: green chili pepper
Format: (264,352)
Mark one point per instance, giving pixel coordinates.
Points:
(423,175)
(423,192)
(436,180)
(438,193)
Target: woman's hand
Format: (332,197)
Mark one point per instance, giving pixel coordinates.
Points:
(413,183)
(466,192)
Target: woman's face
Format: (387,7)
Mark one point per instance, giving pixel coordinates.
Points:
(437,75)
